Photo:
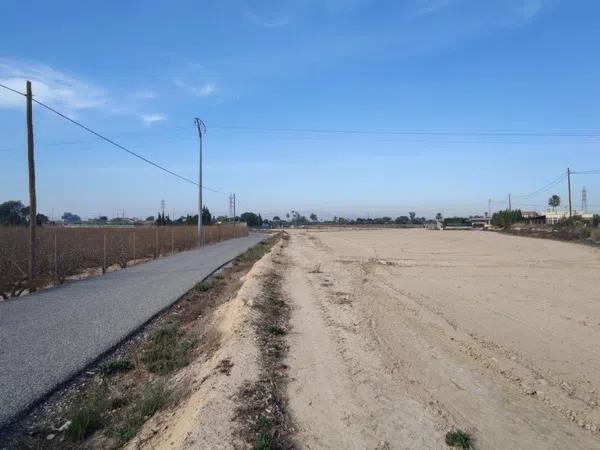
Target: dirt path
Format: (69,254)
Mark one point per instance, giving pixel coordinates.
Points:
(401,335)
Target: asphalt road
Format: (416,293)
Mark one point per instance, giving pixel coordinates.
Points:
(49,336)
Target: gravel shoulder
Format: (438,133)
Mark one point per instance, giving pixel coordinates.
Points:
(402,335)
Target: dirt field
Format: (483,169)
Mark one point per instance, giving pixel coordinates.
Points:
(401,335)
(395,338)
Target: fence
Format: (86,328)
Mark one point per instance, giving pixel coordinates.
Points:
(66,252)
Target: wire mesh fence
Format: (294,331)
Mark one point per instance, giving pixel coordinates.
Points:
(64,252)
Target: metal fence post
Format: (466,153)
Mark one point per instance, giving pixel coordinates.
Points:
(157,249)
(104,255)
(134,246)
(172,240)
(55,255)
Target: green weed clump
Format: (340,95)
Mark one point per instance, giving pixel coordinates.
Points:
(87,416)
(112,367)
(166,349)
(459,439)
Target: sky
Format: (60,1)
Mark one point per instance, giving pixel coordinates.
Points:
(341,108)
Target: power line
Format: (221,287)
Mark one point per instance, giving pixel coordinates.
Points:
(545,188)
(412,132)
(587,172)
(110,141)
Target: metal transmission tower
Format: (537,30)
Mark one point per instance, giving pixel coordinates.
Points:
(230,206)
(584,206)
(201,131)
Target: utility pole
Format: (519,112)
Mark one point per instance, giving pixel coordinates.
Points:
(201,130)
(489,207)
(569,182)
(234,214)
(509,202)
(32,197)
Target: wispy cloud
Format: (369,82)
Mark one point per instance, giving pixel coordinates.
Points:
(202,90)
(49,85)
(526,10)
(149,119)
(271,21)
(432,6)
(145,94)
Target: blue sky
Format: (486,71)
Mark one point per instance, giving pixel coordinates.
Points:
(501,95)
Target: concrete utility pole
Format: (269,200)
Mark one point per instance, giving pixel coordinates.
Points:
(201,130)
(490,207)
(569,182)
(32,196)
(509,202)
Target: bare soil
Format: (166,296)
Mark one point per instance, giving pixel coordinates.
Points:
(403,335)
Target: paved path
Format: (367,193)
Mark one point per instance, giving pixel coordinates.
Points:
(47,337)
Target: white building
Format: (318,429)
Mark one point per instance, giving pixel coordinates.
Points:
(555,216)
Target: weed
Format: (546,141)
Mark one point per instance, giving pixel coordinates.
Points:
(112,367)
(150,400)
(205,285)
(276,301)
(459,439)
(87,416)
(263,442)
(166,349)
(317,269)
(274,329)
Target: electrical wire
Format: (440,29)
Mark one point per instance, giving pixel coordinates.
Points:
(411,132)
(110,141)
(543,189)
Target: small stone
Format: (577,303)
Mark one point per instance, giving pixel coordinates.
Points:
(50,437)
(65,425)
(580,423)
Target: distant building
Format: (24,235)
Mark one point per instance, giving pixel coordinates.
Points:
(480,222)
(533,217)
(554,216)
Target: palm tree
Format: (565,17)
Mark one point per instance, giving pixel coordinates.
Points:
(554,201)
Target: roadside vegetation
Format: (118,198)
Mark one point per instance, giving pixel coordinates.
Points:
(262,413)
(106,406)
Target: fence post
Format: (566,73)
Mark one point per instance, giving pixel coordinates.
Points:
(134,246)
(172,240)
(55,255)
(157,249)
(104,254)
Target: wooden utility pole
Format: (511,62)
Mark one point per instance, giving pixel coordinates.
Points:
(32,198)
(569,182)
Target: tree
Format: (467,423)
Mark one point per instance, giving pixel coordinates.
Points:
(71,218)
(438,216)
(251,219)
(13,212)
(402,220)
(412,215)
(150,219)
(554,201)
(506,218)
(206,216)
(276,219)
(41,219)
(313,217)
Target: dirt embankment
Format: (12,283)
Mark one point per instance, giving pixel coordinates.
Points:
(402,335)
(237,397)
